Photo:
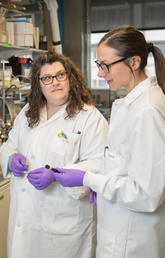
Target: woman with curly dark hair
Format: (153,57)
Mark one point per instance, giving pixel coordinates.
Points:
(61,127)
(78,92)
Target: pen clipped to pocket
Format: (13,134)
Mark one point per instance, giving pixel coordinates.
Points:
(105,150)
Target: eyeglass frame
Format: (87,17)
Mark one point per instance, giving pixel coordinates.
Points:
(52,77)
(99,65)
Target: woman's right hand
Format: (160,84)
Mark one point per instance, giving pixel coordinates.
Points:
(18,165)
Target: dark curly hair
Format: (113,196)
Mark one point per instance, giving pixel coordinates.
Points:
(78,94)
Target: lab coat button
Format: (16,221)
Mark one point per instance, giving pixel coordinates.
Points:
(23,190)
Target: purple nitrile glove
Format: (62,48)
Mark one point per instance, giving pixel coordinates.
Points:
(18,164)
(41,178)
(92,197)
(70,177)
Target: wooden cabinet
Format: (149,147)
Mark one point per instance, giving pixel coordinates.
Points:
(4,215)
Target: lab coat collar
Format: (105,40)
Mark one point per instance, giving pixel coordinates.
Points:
(139,89)
(61,112)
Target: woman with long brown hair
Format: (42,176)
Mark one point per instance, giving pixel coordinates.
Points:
(131,186)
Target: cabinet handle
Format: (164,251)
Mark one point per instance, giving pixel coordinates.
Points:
(1,197)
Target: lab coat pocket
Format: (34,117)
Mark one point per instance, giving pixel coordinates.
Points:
(71,146)
(114,163)
(64,150)
(109,245)
(59,214)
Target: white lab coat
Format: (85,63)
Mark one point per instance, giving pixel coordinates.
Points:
(131,206)
(55,222)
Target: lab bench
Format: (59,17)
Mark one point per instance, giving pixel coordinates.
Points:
(4,213)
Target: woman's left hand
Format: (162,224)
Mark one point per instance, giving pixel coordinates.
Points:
(41,178)
(92,197)
(69,177)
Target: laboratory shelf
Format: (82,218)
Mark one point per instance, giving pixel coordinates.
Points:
(8,50)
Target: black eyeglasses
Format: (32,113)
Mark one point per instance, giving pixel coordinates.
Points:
(48,79)
(106,67)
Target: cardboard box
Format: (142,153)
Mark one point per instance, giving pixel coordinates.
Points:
(2,23)
(10,30)
(36,35)
(23,27)
(3,36)
(24,39)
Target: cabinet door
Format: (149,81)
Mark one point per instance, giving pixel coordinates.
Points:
(4,214)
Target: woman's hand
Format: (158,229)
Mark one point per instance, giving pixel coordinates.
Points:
(70,177)
(17,164)
(41,178)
